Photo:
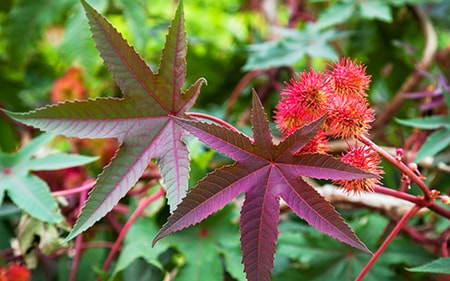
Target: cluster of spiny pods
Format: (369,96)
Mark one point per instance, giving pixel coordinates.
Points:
(340,93)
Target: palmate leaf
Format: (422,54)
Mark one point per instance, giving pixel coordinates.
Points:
(140,120)
(265,173)
(28,191)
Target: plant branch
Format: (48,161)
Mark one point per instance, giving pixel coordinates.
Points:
(134,216)
(85,187)
(238,89)
(388,240)
(213,119)
(401,166)
(415,77)
(78,241)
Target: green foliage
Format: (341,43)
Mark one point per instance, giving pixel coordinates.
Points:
(310,252)
(137,245)
(292,46)
(210,248)
(26,23)
(441,265)
(28,191)
(438,140)
(40,40)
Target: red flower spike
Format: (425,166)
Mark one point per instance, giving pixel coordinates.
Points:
(365,158)
(349,117)
(304,100)
(318,144)
(348,78)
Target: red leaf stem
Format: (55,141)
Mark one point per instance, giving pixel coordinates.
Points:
(213,119)
(134,216)
(85,187)
(388,240)
(78,239)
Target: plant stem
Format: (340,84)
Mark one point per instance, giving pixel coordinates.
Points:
(78,241)
(86,186)
(401,166)
(388,240)
(134,216)
(398,194)
(213,119)
(413,199)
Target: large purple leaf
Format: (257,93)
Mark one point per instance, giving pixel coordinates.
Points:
(238,146)
(140,120)
(314,209)
(221,186)
(319,166)
(259,232)
(265,172)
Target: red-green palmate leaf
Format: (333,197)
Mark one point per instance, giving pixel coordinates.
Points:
(140,120)
(265,172)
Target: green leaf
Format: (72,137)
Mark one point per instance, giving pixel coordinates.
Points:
(77,46)
(293,46)
(435,143)
(375,10)
(441,265)
(204,244)
(136,17)
(9,140)
(35,145)
(27,191)
(337,13)
(137,244)
(59,161)
(432,122)
(26,23)
(202,261)
(33,196)
(320,258)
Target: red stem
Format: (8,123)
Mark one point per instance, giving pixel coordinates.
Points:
(398,194)
(134,216)
(121,209)
(388,240)
(88,185)
(78,241)
(414,199)
(213,119)
(439,210)
(401,166)
(136,191)
(238,89)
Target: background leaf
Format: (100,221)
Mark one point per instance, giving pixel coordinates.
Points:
(441,265)
(431,122)
(435,143)
(33,196)
(59,161)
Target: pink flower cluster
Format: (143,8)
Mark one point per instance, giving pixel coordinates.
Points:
(340,93)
